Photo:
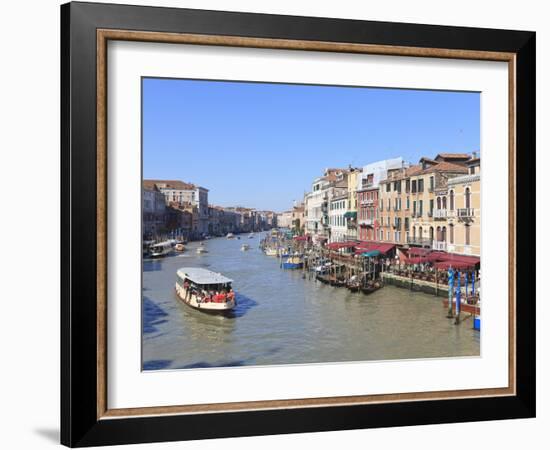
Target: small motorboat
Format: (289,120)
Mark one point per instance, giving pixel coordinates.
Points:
(179,247)
(230,236)
(245,247)
(201,248)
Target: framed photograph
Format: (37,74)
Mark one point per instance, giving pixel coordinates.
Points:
(278,224)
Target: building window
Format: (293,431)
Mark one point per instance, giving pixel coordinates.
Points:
(420,204)
(388,187)
(408,203)
(438,202)
(414,207)
(444,203)
(407,185)
(432,183)
(389,236)
(414,186)
(451,234)
(467,198)
(466,234)
(452,200)
(432,206)
(431,233)
(421,185)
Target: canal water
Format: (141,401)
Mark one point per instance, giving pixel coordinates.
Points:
(282,318)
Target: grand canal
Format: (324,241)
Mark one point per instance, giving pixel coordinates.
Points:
(282,318)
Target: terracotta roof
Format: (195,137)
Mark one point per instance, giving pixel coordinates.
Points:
(446,167)
(453,156)
(170,184)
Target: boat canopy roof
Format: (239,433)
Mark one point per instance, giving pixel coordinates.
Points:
(199,275)
(162,244)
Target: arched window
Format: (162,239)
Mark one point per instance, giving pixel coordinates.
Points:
(451,234)
(452,200)
(438,202)
(467,198)
(438,234)
(466,234)
(414,232)
(444,204)
(420,232)
(444,234)
(432,233)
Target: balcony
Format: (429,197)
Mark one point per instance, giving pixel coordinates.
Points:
(465,213)
(440,214)
(367,222)
(439,245)
(422,242)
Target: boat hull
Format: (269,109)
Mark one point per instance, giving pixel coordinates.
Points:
(291,266)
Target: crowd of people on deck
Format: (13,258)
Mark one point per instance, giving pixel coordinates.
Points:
(209,295)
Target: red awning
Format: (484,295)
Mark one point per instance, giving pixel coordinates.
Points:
(417,251)
(416,260)
(301,238)
(369,246)
(339,245)
(454,264)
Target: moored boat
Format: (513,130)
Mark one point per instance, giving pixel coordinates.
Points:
(371,287)
(230,236)
(293,262)
(205,290)
(270,251)
(179,247)
(161,249)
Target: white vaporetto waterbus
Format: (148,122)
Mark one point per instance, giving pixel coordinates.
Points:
(205,290)
(161,249)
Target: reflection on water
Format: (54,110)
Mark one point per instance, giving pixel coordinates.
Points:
(282,318)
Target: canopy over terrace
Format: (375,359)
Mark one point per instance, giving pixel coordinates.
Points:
(442,260)
(340,245)
(301,238)
(366,247)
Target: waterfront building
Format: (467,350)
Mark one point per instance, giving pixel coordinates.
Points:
(426,187)
(176,191)
(352,203)
(464,213)
(317,203)
(153,213)
(284,219)
(368,184)
(298,219)
(337,213)
(179,220)
(414,205)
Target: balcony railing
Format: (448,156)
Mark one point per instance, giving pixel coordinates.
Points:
(367,222)
(464,213)
(439,245)
(423,242)
(440,213)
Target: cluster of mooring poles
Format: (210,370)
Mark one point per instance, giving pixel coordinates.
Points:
(456,292)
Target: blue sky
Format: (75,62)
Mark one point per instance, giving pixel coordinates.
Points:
(261,145)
